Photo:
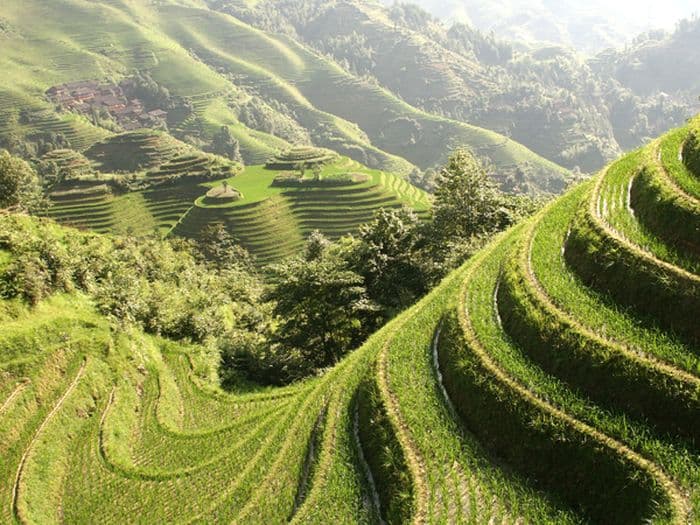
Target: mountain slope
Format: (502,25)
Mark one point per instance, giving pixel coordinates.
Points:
(500,397)
(213,60)
(584,118)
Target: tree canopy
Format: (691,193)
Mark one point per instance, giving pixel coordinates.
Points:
(19,184)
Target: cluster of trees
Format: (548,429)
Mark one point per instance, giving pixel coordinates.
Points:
(154,95)
(165,287)
(270,116)
(20,186)
(225,144)
(271,325)
(34,145)
(142,86)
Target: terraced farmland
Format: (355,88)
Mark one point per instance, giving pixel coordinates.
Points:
(210,59)
(555,378)
(272,220)
(134,151)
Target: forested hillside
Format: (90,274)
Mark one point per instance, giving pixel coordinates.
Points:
(557,102)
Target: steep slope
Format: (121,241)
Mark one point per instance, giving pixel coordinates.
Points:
(539,383)
(216,64)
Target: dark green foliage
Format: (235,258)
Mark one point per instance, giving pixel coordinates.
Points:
(19,185)
(290,179)
(691,149)
(190,168)
(142,86)
(153,283)
(323,309)
(387,256)
(219,248)
(555,455)
(271,116)
(42,263)
(468,210)
(467,202)
(224,144)
(249,355)
(316,245)
(384,456)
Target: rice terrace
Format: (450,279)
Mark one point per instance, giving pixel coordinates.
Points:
(244,278)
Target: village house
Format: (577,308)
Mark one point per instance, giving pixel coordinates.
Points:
(91,96)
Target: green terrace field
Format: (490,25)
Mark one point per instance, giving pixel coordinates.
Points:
(211,59)
(554,378)
(272,221)
(269,220)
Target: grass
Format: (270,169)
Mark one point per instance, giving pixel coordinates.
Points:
(663,205)
(611,373)
(519,386)
(671,149)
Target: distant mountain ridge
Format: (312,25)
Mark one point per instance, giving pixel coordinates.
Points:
(586,26)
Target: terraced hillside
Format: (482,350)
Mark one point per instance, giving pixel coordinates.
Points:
(273,218)
(555,378)
(218,65)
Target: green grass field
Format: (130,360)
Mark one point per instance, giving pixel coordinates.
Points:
(553,379)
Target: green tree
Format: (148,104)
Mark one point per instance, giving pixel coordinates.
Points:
(467,202)
(316,245)
(19,185)
(226,145)
(323,309)
(388,257)
(218,247)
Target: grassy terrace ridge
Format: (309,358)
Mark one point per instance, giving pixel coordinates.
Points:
(526,388)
